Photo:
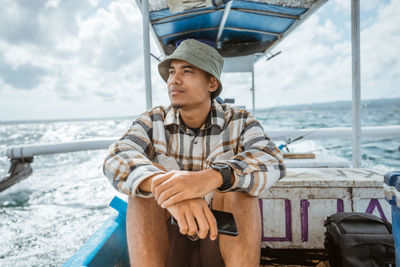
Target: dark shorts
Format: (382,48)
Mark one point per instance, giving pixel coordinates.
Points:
(184,252)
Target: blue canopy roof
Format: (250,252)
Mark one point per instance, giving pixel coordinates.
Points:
(249,27)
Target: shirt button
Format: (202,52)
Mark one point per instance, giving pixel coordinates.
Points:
(195,142)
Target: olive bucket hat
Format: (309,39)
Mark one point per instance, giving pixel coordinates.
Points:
(199,55)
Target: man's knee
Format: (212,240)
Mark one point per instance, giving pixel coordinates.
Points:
(232,200)
(140,203)
(144,207)
(147,232)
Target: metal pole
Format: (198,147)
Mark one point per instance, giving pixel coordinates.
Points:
(227,9)
(253,89)
(356,81)
(146,53)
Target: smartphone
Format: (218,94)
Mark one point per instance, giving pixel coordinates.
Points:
(225,222)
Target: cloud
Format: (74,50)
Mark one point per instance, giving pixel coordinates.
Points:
(24,76)
(311,65)
(380,44)
(89,54)
(111,38)
(365,5)
(75,49)
(19,22)
(40,22)
(315,65)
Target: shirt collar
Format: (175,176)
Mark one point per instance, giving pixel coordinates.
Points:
(216,117)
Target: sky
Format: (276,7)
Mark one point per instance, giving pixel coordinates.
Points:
(84,59)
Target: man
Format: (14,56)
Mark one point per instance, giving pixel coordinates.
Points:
(178,160)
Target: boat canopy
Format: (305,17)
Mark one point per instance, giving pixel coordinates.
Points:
(235,28)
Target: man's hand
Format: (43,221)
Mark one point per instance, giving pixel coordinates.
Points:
(194,217)
(176,186)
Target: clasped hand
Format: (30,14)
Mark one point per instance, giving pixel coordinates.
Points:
(194,217)
(176,186)
(181,193)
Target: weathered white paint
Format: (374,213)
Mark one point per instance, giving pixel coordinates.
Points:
(391,194)
(294,210)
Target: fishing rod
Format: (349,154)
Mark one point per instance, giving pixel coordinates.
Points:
(365,105)
(158,59)
(291,141)
(272,56)
(276,104)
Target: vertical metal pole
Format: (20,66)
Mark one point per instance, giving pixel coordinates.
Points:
(146,53)
(356,81)
(253,89)
(227,9)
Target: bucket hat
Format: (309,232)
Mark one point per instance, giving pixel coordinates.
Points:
(198,54)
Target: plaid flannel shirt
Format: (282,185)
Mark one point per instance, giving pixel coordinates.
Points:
(229,135)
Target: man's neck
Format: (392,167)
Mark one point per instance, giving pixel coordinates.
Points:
(195,117)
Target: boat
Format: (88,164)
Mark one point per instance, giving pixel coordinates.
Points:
(315,187)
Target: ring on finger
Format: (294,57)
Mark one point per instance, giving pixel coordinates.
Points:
(193,237)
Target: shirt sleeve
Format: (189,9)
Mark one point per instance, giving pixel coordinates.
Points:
(129,160)
(258,164)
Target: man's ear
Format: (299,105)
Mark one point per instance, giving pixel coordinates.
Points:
(214,84)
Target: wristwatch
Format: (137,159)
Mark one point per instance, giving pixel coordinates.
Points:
(226,172)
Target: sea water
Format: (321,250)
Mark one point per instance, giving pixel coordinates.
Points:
(47,217)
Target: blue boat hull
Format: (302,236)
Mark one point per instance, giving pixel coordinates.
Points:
(107,246)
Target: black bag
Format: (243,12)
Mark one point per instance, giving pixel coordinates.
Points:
(359,239)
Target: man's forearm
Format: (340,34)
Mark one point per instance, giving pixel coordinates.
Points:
(145,186)
(176,186)
(214,177)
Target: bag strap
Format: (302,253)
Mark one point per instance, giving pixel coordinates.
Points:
(348,216)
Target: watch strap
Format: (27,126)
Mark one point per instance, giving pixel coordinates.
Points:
(226,172)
